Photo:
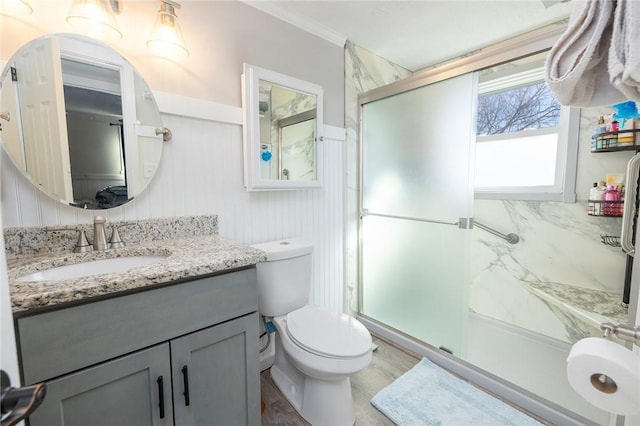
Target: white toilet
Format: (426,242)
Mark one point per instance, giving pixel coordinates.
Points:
(316,350)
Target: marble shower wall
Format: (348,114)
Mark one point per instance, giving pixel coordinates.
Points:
(297,152)
(364,71)
(559,280)
(559,253)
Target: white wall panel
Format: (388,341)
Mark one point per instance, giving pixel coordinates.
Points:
(201,173)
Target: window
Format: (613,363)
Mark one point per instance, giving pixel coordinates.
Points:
(526,142)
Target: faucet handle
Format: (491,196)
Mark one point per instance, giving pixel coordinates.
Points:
(82,245)
(115,241)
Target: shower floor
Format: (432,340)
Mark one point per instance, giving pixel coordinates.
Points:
(529,360)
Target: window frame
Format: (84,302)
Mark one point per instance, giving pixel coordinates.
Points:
(564,187)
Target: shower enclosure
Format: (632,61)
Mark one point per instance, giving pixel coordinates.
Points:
(417,202)
(416,208)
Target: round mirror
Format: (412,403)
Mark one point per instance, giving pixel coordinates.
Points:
(79,121)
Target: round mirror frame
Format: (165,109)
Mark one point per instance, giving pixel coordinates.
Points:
(67,137)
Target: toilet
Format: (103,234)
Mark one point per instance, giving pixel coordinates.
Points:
(316,351)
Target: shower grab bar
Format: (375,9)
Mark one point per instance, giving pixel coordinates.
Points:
(462,223)
(510,238)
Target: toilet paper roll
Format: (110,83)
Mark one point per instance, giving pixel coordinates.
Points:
(606,374)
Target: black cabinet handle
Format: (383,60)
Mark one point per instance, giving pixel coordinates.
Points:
(185,378)
(161,396)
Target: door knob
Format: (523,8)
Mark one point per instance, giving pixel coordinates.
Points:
(18,403)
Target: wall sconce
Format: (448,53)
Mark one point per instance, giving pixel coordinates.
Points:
(95,17)
(16,7)
(166,37)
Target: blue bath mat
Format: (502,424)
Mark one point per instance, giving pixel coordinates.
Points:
(428,395)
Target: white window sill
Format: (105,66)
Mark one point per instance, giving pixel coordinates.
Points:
(524,196)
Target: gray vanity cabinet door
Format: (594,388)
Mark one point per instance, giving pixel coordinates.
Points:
(123,392)
(215,375)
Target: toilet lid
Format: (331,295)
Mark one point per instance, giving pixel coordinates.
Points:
(328,334)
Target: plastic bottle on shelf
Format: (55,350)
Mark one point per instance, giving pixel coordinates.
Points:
(611,194)
(598,197)
(601,127)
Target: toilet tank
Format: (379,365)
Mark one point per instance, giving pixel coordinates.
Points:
(284,279)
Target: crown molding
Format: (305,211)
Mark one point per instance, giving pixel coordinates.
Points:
(305,24)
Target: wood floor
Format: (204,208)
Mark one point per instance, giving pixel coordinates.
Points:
(388,363)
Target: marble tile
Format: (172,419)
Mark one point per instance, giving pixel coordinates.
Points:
(559,248)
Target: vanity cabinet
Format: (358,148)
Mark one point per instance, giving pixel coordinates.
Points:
(124,391)
(184,354)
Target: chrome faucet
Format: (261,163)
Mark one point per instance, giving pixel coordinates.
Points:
(99,237)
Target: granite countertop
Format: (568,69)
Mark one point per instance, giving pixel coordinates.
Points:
(185,258)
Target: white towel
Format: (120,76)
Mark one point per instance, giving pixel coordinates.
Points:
(624,54)
(576,68)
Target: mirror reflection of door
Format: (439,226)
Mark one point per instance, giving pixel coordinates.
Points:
(95,133)
(297,147)
(39,87)
(11,127)
(83,123)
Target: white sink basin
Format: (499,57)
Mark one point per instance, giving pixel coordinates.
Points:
(94,267)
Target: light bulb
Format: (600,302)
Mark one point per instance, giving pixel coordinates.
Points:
(166,37)
(94,17)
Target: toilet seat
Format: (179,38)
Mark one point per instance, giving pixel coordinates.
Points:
(327,334)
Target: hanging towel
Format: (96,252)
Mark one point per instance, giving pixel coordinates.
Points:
(576,68)
(624,54)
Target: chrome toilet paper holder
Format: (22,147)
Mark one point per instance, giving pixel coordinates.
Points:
(621,331)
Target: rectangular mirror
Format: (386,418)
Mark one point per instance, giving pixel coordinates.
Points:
(282,127)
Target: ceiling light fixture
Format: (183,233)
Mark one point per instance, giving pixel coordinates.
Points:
(95,17)
(16,7)
(166,37)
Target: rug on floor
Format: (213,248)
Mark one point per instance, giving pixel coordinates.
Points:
(429,395)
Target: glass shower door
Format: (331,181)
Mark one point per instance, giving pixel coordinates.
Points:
(416,202)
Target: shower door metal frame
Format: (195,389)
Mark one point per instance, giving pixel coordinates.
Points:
(533,42)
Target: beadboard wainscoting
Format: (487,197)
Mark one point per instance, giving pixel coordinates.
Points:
(201,173)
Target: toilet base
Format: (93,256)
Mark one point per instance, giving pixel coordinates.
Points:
(320,402)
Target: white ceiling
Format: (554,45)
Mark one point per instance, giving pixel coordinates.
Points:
(417,34)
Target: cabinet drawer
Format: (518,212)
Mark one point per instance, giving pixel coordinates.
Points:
(58,342)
